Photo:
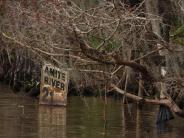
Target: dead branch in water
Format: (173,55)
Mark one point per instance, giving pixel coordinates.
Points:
(167,101)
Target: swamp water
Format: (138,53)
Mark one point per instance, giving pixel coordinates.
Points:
(22,117)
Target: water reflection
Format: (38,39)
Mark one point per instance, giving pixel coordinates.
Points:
(21,117)
(18,115)
(52,122)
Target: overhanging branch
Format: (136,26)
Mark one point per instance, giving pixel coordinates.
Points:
(112,59)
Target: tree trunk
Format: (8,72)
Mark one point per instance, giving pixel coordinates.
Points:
(153,12)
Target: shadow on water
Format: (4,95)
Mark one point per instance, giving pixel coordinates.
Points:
(89,117)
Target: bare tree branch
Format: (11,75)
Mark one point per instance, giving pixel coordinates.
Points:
(167,102)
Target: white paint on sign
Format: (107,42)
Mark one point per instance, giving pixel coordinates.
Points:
(54,85)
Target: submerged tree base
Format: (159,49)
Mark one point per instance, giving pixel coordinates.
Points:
(165,102)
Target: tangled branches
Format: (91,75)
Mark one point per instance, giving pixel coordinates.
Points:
(102,39)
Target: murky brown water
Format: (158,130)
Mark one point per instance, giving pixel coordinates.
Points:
(22,117)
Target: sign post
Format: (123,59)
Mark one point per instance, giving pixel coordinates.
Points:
(54,86)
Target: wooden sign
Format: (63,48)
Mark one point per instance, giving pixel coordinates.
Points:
(54,86)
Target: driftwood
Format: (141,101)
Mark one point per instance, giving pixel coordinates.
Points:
(166,102)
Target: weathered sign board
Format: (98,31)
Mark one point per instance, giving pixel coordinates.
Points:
(54,86)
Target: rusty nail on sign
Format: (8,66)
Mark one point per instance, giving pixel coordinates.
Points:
(54,86)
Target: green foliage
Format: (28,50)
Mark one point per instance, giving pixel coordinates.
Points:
(29,84)
(178,35)
(179,32)
(110,45)
(95,42)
